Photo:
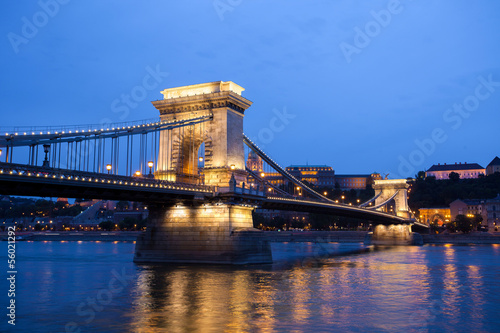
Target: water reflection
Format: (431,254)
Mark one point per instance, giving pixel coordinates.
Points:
(392,289)
(215,299)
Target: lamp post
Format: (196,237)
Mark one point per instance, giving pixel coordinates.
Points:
(137,173)
(46,149)
(150,165)
(343,197)
(108,167)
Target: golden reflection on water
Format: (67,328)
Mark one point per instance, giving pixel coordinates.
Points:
(393,285)
(451,286)
(475,278)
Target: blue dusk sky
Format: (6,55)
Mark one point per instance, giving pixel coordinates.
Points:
(362,86)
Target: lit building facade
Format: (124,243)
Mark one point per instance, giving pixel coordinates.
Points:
(254,162)
(465,170)
(318,175)
(439,215)
(356,182)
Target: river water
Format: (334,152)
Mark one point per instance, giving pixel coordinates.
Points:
(95,287)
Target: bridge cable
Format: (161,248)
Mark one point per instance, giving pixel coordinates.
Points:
(385,202)
(282,171)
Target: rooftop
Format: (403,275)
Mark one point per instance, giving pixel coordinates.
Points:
(308,166)
(456,166)
(496,161)
(352,176)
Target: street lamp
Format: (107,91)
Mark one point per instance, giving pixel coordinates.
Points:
(262,175)
(232,167)
(138,173)
(108,167)
(46,149)
(200,159)
(325,193)
(150,165)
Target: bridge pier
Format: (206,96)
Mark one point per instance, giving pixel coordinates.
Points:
(220,233)
(394,234)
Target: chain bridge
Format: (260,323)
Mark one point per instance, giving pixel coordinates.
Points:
(189,166)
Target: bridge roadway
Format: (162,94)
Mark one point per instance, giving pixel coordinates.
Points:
(310,206)
(27,180)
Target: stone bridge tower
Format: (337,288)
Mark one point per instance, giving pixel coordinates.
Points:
(389,187)
(222,135)
(203,230)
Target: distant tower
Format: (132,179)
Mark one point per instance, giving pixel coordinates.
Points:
(254,162)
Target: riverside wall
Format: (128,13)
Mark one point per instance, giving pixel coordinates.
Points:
(272,236)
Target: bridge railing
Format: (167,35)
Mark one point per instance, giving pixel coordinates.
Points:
(74,128)
(64,174)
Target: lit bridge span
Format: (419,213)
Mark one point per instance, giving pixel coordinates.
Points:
(189,166)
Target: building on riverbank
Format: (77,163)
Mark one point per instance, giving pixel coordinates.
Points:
(465,170)
(493,214)
(469,208)
(439,216)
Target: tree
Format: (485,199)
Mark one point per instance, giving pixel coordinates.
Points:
(128,223)
(463,223)
(122,205)
(107,225)
(454,176)
(476,221)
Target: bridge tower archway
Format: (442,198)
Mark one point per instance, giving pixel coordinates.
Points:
(397,189)
(222,134)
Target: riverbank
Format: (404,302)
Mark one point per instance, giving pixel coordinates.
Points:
(316,236)
(102,236)
(462,239)
(272,236)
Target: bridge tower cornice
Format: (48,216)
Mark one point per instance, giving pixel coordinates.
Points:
(223,99)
